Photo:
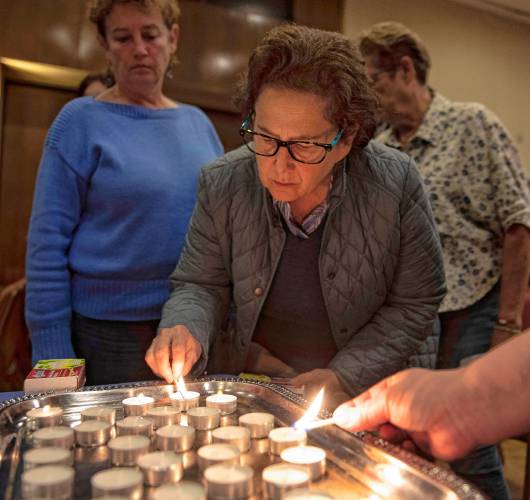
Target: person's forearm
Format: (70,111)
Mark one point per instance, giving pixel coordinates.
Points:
(498,388)
(515,273)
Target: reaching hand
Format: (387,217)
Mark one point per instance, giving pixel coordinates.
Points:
(314,380)
(260,360)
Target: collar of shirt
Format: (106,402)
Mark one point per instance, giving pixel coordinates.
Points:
(309,224)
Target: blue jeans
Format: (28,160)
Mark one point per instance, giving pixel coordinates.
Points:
(465,334)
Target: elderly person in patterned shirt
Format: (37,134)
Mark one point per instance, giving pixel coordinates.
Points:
(480,199)
(324,243)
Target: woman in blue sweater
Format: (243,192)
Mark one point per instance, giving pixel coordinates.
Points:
(114,193)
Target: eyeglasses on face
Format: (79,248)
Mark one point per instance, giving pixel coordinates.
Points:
(308,152)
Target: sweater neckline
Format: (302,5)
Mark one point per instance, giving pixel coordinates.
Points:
(136,110)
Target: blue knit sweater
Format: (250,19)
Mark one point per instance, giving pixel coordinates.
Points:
(114,193)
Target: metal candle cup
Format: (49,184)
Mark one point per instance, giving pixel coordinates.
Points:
(226,403)
(135,426)
(59,436)
(306,494)
(48,481)
(103,413)
(92,433)
(184,400)
(235,435)
(160,467)
(47,416)
(137,405)
(125,450)
(119,481)
(217,453)
(49,455)
(286,437)
(228,481)
(164,415)
(203,418)
(185,490)
(311,457)
(280,478)
(175,438)
(259,424)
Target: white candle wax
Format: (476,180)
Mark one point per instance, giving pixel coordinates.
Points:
(185,490)
(120,481)
(103,413)
(309,456)
(92,433)
(136,425)
(137,405)
(59,436)
(184,400)
(226,403)
(46,416)
(164,415)
(279,478)
(48,481)
(259,424)
(160,467)
(285,437)
(235,435)
(212,454)
(125,450)
(202,418)
(228,481)
(305,494)
(47,456)
(175,438)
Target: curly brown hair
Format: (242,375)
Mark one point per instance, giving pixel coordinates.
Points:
(321,62)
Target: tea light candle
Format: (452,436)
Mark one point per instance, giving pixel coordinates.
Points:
(259,424)
(160,467)
(94,455)
(280,478)
(285,437)
(135,426)
(203,418)
(228,481)
(184,400)
(232,434)
(48,481)
(47,416)
(137,405)
(213,454)
(313,458)
(92,433)
(188,458)
(305,494)
(226,403)
(202,438)
(185,490)
(125,450)
(119,481)
(59,436)
(47,456)
(164,415)
(103,413)
(175,438)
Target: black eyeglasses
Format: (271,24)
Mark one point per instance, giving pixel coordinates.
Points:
(302,151)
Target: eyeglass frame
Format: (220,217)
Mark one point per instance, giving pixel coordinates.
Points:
(286,144)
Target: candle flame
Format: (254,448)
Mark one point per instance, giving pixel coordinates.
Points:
(181,386)
(46,409)
(219,391)
(312,412)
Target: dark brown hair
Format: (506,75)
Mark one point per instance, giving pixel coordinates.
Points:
(323,63)
(105,79)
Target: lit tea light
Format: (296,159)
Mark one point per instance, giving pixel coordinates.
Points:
(225,403)
(175,438)
(92,433)
(160,467)
(259,424)
(59,436)
(50,455)
(286,437)
(311,457)
(48,481)
(185,490)
(126,450)
(184,399)
(310,416)
(119,481)
(47,416)
(217,453)
(103,413)
(280,478)
(305,494)
(228,481)
(232,434)
(164,415)
(135,426)
(203,418)
(137,405)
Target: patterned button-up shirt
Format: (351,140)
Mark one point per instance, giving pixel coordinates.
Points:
(309,224)
(477,189)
